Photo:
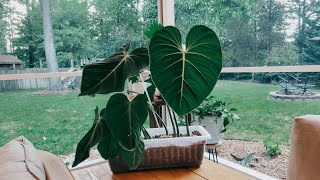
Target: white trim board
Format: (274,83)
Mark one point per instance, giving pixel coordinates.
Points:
(242,169)
(89,163)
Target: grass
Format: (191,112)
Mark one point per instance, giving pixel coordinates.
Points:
(261,118)
(53,122)
(56,122)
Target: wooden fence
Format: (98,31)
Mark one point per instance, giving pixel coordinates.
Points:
(38,78)
(30,83)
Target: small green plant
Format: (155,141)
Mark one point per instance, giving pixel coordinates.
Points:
(272,148)
(212,107)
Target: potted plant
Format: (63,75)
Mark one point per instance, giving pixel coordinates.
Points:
(184,76)
(214,116)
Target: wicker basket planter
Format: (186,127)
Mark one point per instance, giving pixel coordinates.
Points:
(168,152)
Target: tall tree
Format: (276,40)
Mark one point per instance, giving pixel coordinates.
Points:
(3,25)
(74,37)
(29,42)
(30,36)
(150,12)
(119,23)
(55,83)
(308,13)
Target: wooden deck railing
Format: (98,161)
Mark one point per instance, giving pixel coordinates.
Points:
(264,69)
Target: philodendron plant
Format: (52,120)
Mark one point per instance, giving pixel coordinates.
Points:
(184,76)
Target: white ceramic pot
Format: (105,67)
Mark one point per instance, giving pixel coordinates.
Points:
(214,126)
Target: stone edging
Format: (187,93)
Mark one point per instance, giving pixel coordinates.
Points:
(275,96)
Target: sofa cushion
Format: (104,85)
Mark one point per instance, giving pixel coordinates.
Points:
(19,160)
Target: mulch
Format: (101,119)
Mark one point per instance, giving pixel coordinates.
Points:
(275,167)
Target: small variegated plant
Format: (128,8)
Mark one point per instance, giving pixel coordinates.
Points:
(184,71)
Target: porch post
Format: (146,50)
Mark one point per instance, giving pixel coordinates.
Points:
(166,12)
(166,18)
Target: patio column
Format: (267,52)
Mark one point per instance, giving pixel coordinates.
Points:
(166,18)
(166,12)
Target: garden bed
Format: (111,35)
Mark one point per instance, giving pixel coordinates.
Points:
(275,167)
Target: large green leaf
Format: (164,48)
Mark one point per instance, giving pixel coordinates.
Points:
(108,148)
(185,77)
(133,157)
(110,75)
(125,118)
(93,136)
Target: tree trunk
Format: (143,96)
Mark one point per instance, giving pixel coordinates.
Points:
(270,27)
(31,47)
(302,32)
(255,55)
(55,83)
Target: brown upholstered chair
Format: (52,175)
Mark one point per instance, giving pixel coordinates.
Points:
(19,159)
(54,167)
(304,161)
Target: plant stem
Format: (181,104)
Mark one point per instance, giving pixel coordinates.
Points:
(187,125)
(146,134)
(175,120)
(160,119)
(155,115)
(173,125)
(149,100)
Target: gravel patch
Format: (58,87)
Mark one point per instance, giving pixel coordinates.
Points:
(275,167)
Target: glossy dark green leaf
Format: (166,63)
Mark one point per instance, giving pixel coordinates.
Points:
(92,137)
(133,157)
(110,75)
(108,148)
(185,77)
(125,118)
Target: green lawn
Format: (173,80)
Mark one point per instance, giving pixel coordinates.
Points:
(260,117)
(57,122)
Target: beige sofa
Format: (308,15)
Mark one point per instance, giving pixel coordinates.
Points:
(304,161)
(20,160)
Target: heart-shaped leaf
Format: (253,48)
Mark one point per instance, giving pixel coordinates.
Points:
(133,157)
(125,118)
(110,75)
(93,136)
(108,148)
(185,77)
